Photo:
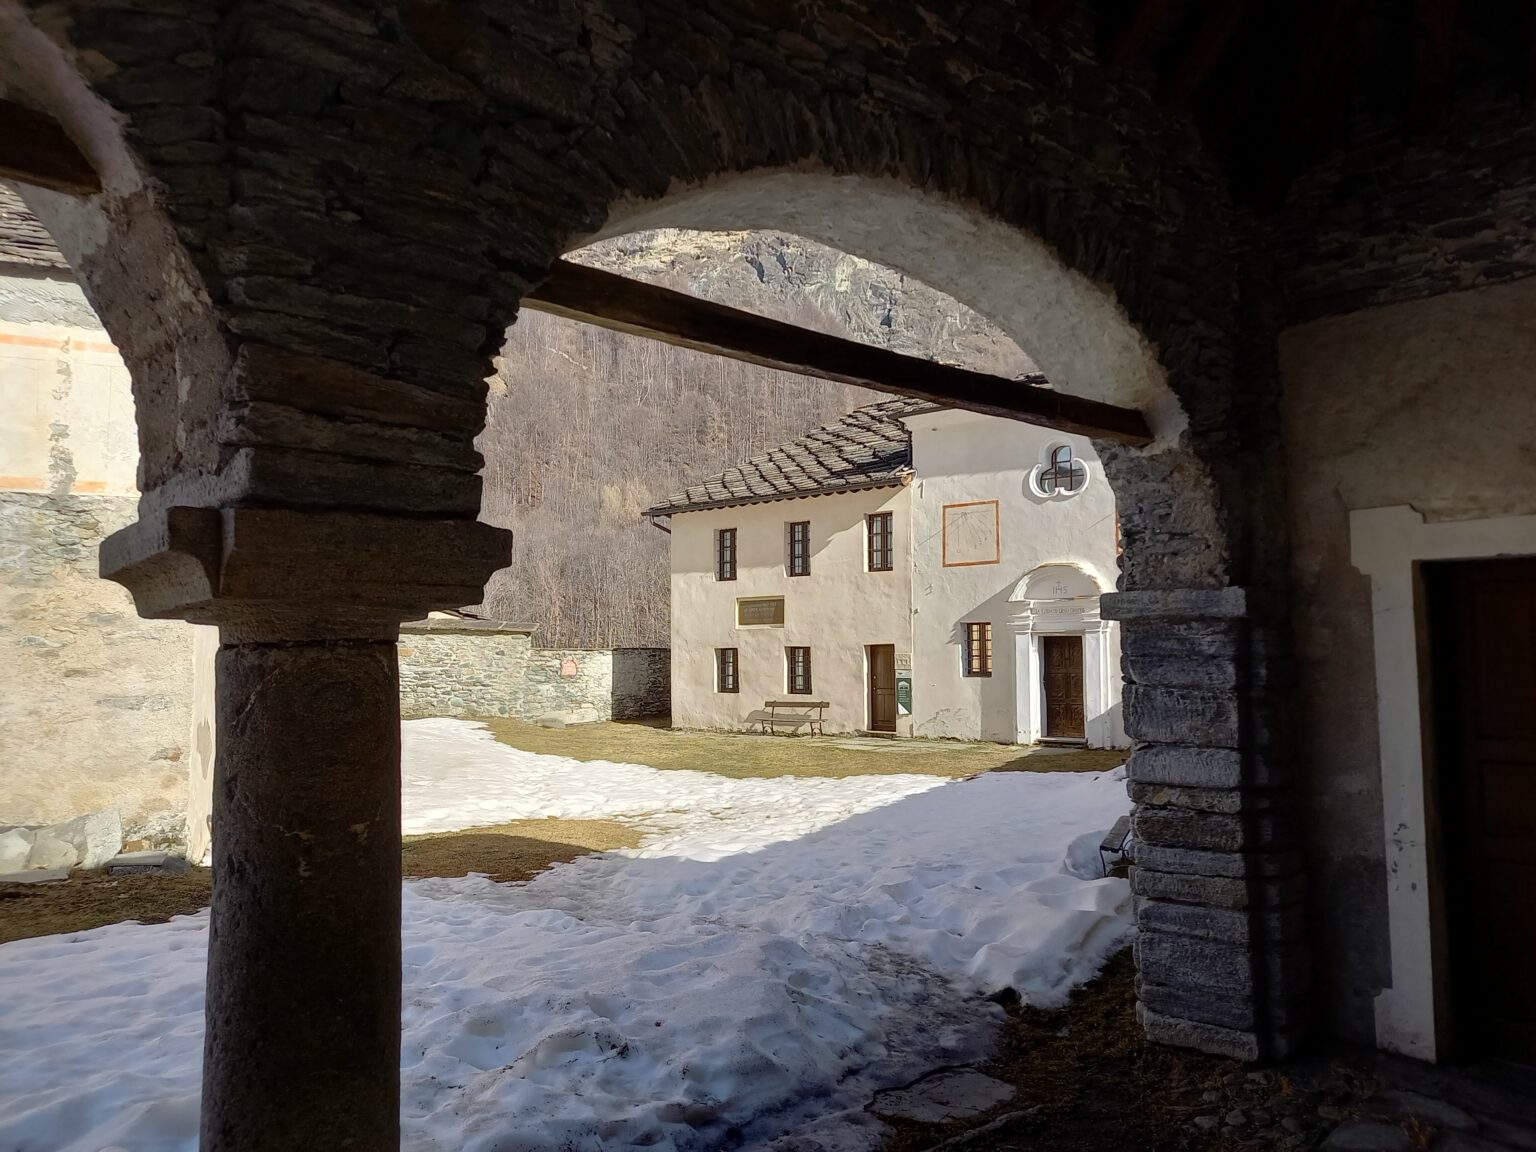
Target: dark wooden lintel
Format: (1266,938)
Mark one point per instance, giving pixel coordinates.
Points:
(35,149)
(592,296)
(1201,55)
(1130,43)
(1434,47)
(1048,13)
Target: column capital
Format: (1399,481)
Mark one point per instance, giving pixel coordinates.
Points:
(288,573)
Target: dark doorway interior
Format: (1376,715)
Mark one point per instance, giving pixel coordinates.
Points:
(1482,669)
(1062,659)
(882,688)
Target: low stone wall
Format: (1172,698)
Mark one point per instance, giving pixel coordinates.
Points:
(579,685)
(463,667)
(451,667)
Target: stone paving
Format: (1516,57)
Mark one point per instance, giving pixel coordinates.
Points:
(1353,1101)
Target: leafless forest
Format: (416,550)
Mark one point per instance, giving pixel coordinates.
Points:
(587,428)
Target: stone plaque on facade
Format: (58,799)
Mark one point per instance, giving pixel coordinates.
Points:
(568,666)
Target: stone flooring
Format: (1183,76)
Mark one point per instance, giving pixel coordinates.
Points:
(1353,1101)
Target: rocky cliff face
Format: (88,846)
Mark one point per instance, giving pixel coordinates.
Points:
(587,427)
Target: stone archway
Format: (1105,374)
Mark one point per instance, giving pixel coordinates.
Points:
(1222,966)
(318,221)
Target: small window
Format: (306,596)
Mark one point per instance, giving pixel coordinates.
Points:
(798,666)
(725,670)
(760,611)
(882,548)
(725,554)
(1064,475)
(978,649)
(798,560)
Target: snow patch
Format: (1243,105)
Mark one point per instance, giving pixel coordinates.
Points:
(692,996)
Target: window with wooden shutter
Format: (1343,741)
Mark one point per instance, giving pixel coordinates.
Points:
(725,554)
(882,546)
(798,557)
(725,671)
(798,667)
(978,649)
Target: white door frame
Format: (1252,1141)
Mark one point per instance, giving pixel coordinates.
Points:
(1062,618)
(1387,544)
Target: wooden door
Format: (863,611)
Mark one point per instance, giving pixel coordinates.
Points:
(1483,673)
(882,688)
(1062,658)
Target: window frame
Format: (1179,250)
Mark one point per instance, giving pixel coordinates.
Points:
(725,555)
(977,656)
(886,535)
(790,670)
(731,683)
(1046,478)
(803,527)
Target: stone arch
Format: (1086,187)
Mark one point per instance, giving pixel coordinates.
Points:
(333,211)
(135,271)
(1063,580)
(1074,328)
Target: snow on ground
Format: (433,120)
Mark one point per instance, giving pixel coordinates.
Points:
(698,996)
(458,775)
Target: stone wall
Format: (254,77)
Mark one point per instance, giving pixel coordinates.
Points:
(95,711)
(1380,223)
(451,667)
(1454,437)
(463,668)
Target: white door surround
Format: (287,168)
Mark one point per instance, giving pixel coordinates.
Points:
(1061,600)
(1387,544)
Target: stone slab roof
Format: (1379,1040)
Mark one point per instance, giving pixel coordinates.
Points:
(868,448)
(23,239)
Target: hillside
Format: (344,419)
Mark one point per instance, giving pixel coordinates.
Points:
(587,427)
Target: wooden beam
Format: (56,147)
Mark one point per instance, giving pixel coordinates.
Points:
(1130,43)
(592,296)
(1048,13)
(1434,53)
(35,149)
(1201,55)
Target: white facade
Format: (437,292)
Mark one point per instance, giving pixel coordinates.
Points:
(975,543)
(837,610)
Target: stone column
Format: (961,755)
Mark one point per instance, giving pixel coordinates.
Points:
(302,1048)
(303,1018)
(1218,877)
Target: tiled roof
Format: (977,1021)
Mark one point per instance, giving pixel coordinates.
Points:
(23,240)
(868,448)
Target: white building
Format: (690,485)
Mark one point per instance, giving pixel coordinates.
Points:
(922,571)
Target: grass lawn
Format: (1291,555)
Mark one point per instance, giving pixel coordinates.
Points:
(523,848)
(515,851)
(747,754)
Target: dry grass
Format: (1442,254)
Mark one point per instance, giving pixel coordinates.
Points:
(518,850)
(506,852)
(746,754)
(1086,1080)
(91,899)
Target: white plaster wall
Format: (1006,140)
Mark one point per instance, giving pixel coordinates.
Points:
(960,457)
(837,610)
(1431,404)
(96,711)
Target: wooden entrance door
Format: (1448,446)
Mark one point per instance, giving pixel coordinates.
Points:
(882,688)
(1062,658)
(1483,669)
